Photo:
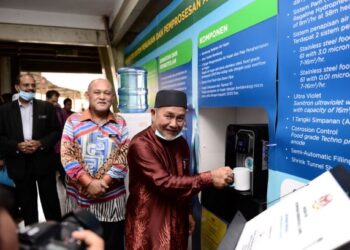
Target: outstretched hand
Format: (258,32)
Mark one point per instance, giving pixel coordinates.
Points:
(222,177)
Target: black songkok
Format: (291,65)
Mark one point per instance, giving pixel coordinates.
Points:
(171,98)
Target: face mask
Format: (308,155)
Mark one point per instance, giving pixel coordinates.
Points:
(28,96)
(168,139)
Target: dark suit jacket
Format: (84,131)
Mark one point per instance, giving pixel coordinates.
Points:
(45,128)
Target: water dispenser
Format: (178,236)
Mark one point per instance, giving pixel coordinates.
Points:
(133,91)
(246,147)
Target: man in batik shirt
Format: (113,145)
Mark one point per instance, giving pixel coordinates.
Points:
(93,152)
(158,208)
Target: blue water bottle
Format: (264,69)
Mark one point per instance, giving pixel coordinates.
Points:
(133,90)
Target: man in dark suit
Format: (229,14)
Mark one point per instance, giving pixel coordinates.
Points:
(28,133)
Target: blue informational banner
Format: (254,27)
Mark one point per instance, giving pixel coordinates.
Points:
(180,78)
(313,132)
(240,70)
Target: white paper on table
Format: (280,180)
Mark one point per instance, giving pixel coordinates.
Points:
(315,217)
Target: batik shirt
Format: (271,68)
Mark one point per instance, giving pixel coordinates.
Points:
(89,150)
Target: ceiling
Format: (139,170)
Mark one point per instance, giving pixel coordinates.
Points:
(52,58)
(125,18)
(82,7)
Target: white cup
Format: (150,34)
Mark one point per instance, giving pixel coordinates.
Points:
(242,178)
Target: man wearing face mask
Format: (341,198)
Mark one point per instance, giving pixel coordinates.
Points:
(28,132)
(158,210)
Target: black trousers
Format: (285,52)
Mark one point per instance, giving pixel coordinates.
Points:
(113,235)
(26,195)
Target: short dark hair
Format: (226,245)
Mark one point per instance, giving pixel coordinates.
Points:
(52,93)
(67,100)
(18,79)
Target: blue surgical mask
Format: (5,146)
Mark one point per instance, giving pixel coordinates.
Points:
(28,96)
(168,139)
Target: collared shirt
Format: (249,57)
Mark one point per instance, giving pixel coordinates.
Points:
(96,150)
(27,119)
